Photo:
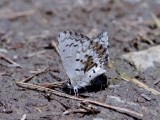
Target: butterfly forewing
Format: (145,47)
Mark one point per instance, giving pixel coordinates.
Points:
(83,58)
(70,45)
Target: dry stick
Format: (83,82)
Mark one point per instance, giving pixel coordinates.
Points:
(55,46)
(52,85)
(140,84)
(80,110)
(2,56)
(12,15)
(36,53)
(29,78)
(6,35)
(156,20)
(24,117)
(157,81)
(43,89)
(48,85)
(56,77)
(89,107)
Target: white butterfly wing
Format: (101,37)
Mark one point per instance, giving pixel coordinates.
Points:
(83,58)
(100,55)
(70,45)
(102,39)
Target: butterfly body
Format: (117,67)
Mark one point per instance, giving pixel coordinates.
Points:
(83,58)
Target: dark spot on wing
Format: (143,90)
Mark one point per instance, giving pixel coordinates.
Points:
(70,32)
(70,44)
(76,34)
(94,71)
(75,45)
(96,64)
(89,63)
(88,39)
(101,53)
(86,56)
(82,69)
(81,61)
(99,36)
(91,42)
(81,41)
(64,50)
(64,32)
(77,59)
(81,35)
(77,69)
(77,40)
(100,47)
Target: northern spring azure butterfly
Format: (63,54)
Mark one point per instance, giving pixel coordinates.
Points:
(83,58)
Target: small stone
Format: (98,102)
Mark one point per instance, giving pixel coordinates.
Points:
(144,59)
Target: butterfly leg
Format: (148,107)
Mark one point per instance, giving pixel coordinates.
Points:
(75,91)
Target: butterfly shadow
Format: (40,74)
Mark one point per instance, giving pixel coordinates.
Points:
(97,84)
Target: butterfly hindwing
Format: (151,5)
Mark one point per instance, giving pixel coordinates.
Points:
(102,41)
(100,55)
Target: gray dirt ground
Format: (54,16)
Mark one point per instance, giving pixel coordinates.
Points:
(130,27)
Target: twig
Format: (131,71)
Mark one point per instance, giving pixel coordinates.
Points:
(54,45)
(89,107)
(36,53)
(46,34)
(2,56)
(6,35)
(140,84)
(85,108)
(29,78)
(24,117)
(80,110)
(43,89)
(157,81)
(156,20)
(56,77)
(146,97)
(9,14)
(52,85)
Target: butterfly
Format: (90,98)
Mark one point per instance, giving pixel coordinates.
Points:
(83,58)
